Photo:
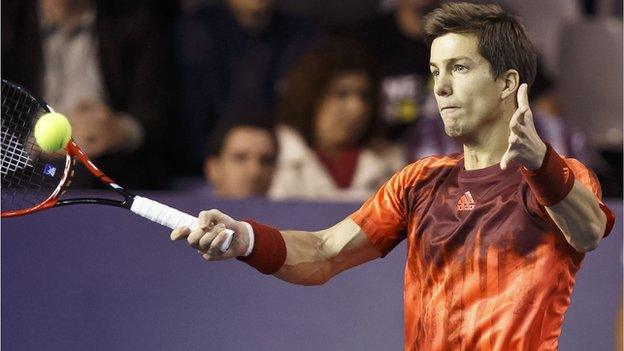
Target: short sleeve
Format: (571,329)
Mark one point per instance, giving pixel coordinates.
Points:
(586,177)
(383,216)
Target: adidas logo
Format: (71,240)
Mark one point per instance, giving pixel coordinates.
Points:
(466,202)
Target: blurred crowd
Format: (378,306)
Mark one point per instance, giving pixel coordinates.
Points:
(243,98)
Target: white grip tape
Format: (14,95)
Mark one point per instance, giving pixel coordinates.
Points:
(170,217)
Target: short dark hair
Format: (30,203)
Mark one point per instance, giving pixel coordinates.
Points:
(502,39)
(239,116)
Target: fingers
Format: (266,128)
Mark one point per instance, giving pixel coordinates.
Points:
(201,238)
(179,233)
(523,142)
(523,97)
(514,141)
(520,120)
(208,218)
(214,230)
(503,162)
(207,239)
(518,116)
(213,251)
(528,117)
(509,156)
(517,148)
(517,129)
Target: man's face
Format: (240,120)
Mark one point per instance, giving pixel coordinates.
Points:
(468,96)
(246,164)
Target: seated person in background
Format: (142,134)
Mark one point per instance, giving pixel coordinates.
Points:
(234,50)
(327,114)
(406,100)
(104,65)
(241,156)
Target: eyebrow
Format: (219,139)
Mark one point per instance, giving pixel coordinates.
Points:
(453,60)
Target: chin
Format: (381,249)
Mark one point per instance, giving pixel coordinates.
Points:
(453,131)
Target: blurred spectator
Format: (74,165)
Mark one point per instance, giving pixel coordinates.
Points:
(407,104)
(230,52)
(397,40)
(104,65)
(327,142)
(241,155)
(550,124)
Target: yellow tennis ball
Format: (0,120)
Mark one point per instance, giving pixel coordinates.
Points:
(52,131)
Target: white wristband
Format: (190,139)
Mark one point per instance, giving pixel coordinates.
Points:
(250,233)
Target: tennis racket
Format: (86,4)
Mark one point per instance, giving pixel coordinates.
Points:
(34,180)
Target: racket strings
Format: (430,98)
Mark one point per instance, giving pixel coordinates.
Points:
(29,175)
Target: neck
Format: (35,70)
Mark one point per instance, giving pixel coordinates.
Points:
(335,150)
(489,146)
(331,151)
(409,22)
(252,21)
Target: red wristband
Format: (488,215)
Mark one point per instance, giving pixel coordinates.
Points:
(552,182)
(269,251)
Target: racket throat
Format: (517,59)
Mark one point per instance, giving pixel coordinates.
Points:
(94,201)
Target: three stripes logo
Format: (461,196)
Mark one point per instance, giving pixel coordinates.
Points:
(466,202)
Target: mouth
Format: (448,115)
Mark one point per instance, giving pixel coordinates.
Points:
(448,108)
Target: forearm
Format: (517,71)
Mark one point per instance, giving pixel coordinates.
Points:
(312,258)
(299,257)
(567,201)
(580,218)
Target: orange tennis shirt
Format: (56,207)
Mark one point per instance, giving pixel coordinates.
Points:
(486,268)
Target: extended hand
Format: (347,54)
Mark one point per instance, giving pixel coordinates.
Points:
(210,234)
(525,146)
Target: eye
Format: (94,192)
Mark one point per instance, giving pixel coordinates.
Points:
(239,157)
(459,68)
(268,160)
(435,73)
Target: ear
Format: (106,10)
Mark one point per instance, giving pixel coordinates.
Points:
(511,82)
(211,170)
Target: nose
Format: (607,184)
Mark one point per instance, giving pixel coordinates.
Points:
(443,85)
(357,105)
(254,168)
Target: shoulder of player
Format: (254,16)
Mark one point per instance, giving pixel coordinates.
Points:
(438,161)
(428,166)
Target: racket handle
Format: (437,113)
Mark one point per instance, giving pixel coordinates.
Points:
(170,217)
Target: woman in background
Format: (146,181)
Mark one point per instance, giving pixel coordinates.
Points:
(327,113)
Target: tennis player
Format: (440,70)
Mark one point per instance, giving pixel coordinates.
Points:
(495,235)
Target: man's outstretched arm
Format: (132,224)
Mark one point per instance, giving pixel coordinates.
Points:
(311,258)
